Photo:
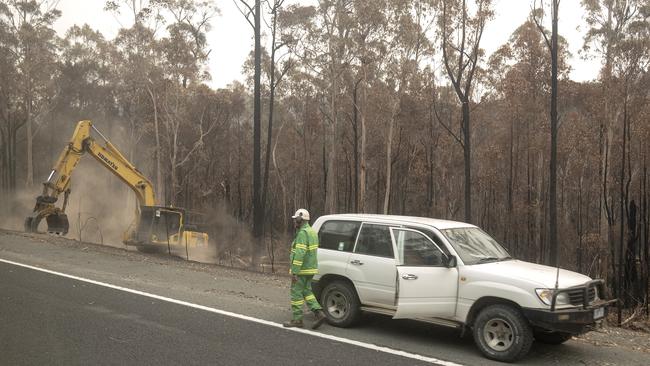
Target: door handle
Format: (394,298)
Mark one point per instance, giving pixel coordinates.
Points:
(410,277)
(357,262)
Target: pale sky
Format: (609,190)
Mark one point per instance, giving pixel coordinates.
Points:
(231,36)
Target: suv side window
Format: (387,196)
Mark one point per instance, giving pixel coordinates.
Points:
(436,239)
(375,240)
(338,235)
(416,249)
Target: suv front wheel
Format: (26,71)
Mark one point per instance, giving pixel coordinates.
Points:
(502,333)
(341,304)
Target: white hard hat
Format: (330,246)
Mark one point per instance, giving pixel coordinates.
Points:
(302,213)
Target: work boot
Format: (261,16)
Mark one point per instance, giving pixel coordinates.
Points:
(293,324)
(320,319)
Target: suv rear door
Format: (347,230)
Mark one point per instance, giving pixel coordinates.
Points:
(371,266)
(426,287)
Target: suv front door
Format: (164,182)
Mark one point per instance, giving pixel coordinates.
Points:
(371,266)
(426,287)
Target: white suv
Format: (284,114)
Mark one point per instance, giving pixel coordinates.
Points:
(453,274)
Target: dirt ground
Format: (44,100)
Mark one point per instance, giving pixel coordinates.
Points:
(626,338)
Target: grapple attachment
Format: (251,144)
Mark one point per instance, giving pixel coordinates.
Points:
(57,223)
(57,220)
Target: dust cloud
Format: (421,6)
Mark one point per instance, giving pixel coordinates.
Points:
(231,238)
(232,244)
(102,208)
(15,210)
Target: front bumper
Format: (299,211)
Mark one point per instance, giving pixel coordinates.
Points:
(574,320)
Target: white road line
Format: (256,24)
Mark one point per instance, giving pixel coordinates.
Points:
(245,317)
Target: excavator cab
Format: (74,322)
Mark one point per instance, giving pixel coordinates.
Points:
(160,226)
(157,225)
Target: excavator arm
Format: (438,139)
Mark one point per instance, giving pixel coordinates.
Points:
(60,178)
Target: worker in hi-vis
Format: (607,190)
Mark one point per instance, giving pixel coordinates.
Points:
(304,265)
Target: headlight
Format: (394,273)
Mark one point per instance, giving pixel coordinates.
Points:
(546,295)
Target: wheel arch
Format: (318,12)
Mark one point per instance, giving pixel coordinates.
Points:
(484,302)
(329,278)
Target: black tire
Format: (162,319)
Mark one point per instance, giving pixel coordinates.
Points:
(340,304)
(553,338)
(502,333)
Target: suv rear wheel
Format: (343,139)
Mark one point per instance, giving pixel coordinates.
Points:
(502,333)
(341,304)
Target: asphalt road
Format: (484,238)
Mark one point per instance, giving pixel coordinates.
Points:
(48,319)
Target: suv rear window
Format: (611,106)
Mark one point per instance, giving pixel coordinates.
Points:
(338,235)
(375,240)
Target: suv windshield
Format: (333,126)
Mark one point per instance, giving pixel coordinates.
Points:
(475,246)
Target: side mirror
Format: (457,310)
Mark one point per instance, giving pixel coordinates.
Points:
(451,262)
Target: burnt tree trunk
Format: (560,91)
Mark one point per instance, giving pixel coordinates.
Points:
(646,248)
(553,244)
(619,274)
(467,154)
(258,209)
(355,130)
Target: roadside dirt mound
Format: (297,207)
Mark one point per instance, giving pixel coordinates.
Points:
(609,336)
(197,256)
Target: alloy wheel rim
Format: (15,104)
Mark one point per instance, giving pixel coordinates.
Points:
(498,334)
(337,304)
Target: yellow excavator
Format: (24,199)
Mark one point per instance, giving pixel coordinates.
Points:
(155,228)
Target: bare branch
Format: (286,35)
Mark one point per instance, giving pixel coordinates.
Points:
(537,23)
(435,110)
(247,14)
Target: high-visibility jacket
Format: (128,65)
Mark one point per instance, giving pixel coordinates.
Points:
(303,259)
